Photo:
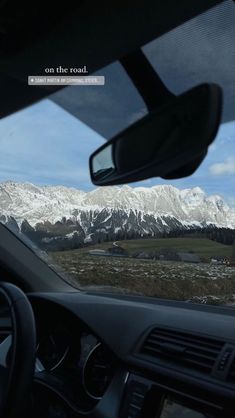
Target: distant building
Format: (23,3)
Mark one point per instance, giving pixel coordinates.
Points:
(97,252)
(114,251)
(188,257)
(220,260)
(117,251)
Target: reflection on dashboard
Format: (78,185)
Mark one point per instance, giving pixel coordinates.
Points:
(172,409)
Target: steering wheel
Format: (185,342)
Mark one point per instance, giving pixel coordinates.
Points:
(18,362)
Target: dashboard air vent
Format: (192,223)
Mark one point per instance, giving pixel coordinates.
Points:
(190,350)
(231,373)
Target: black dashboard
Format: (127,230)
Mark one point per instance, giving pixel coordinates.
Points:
(100,356)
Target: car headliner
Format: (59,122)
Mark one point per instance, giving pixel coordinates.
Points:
(93,34)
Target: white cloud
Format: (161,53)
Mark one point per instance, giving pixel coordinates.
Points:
(226,167)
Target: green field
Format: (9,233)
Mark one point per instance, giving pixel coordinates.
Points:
(164,279)
(203,247)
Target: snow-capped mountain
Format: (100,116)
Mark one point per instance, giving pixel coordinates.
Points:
(58,211)
(51,203)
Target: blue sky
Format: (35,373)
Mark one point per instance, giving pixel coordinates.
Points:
(45,145)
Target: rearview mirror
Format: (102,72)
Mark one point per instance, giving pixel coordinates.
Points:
(170,142)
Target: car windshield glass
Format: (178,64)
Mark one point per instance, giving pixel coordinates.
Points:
(170,239)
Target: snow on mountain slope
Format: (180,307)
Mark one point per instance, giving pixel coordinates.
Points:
(51,203)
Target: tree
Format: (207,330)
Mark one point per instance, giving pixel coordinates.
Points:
(233,253)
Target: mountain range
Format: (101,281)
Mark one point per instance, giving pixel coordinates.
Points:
(58,216)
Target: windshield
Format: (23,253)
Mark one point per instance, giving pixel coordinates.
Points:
(170,239)
(163,239)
